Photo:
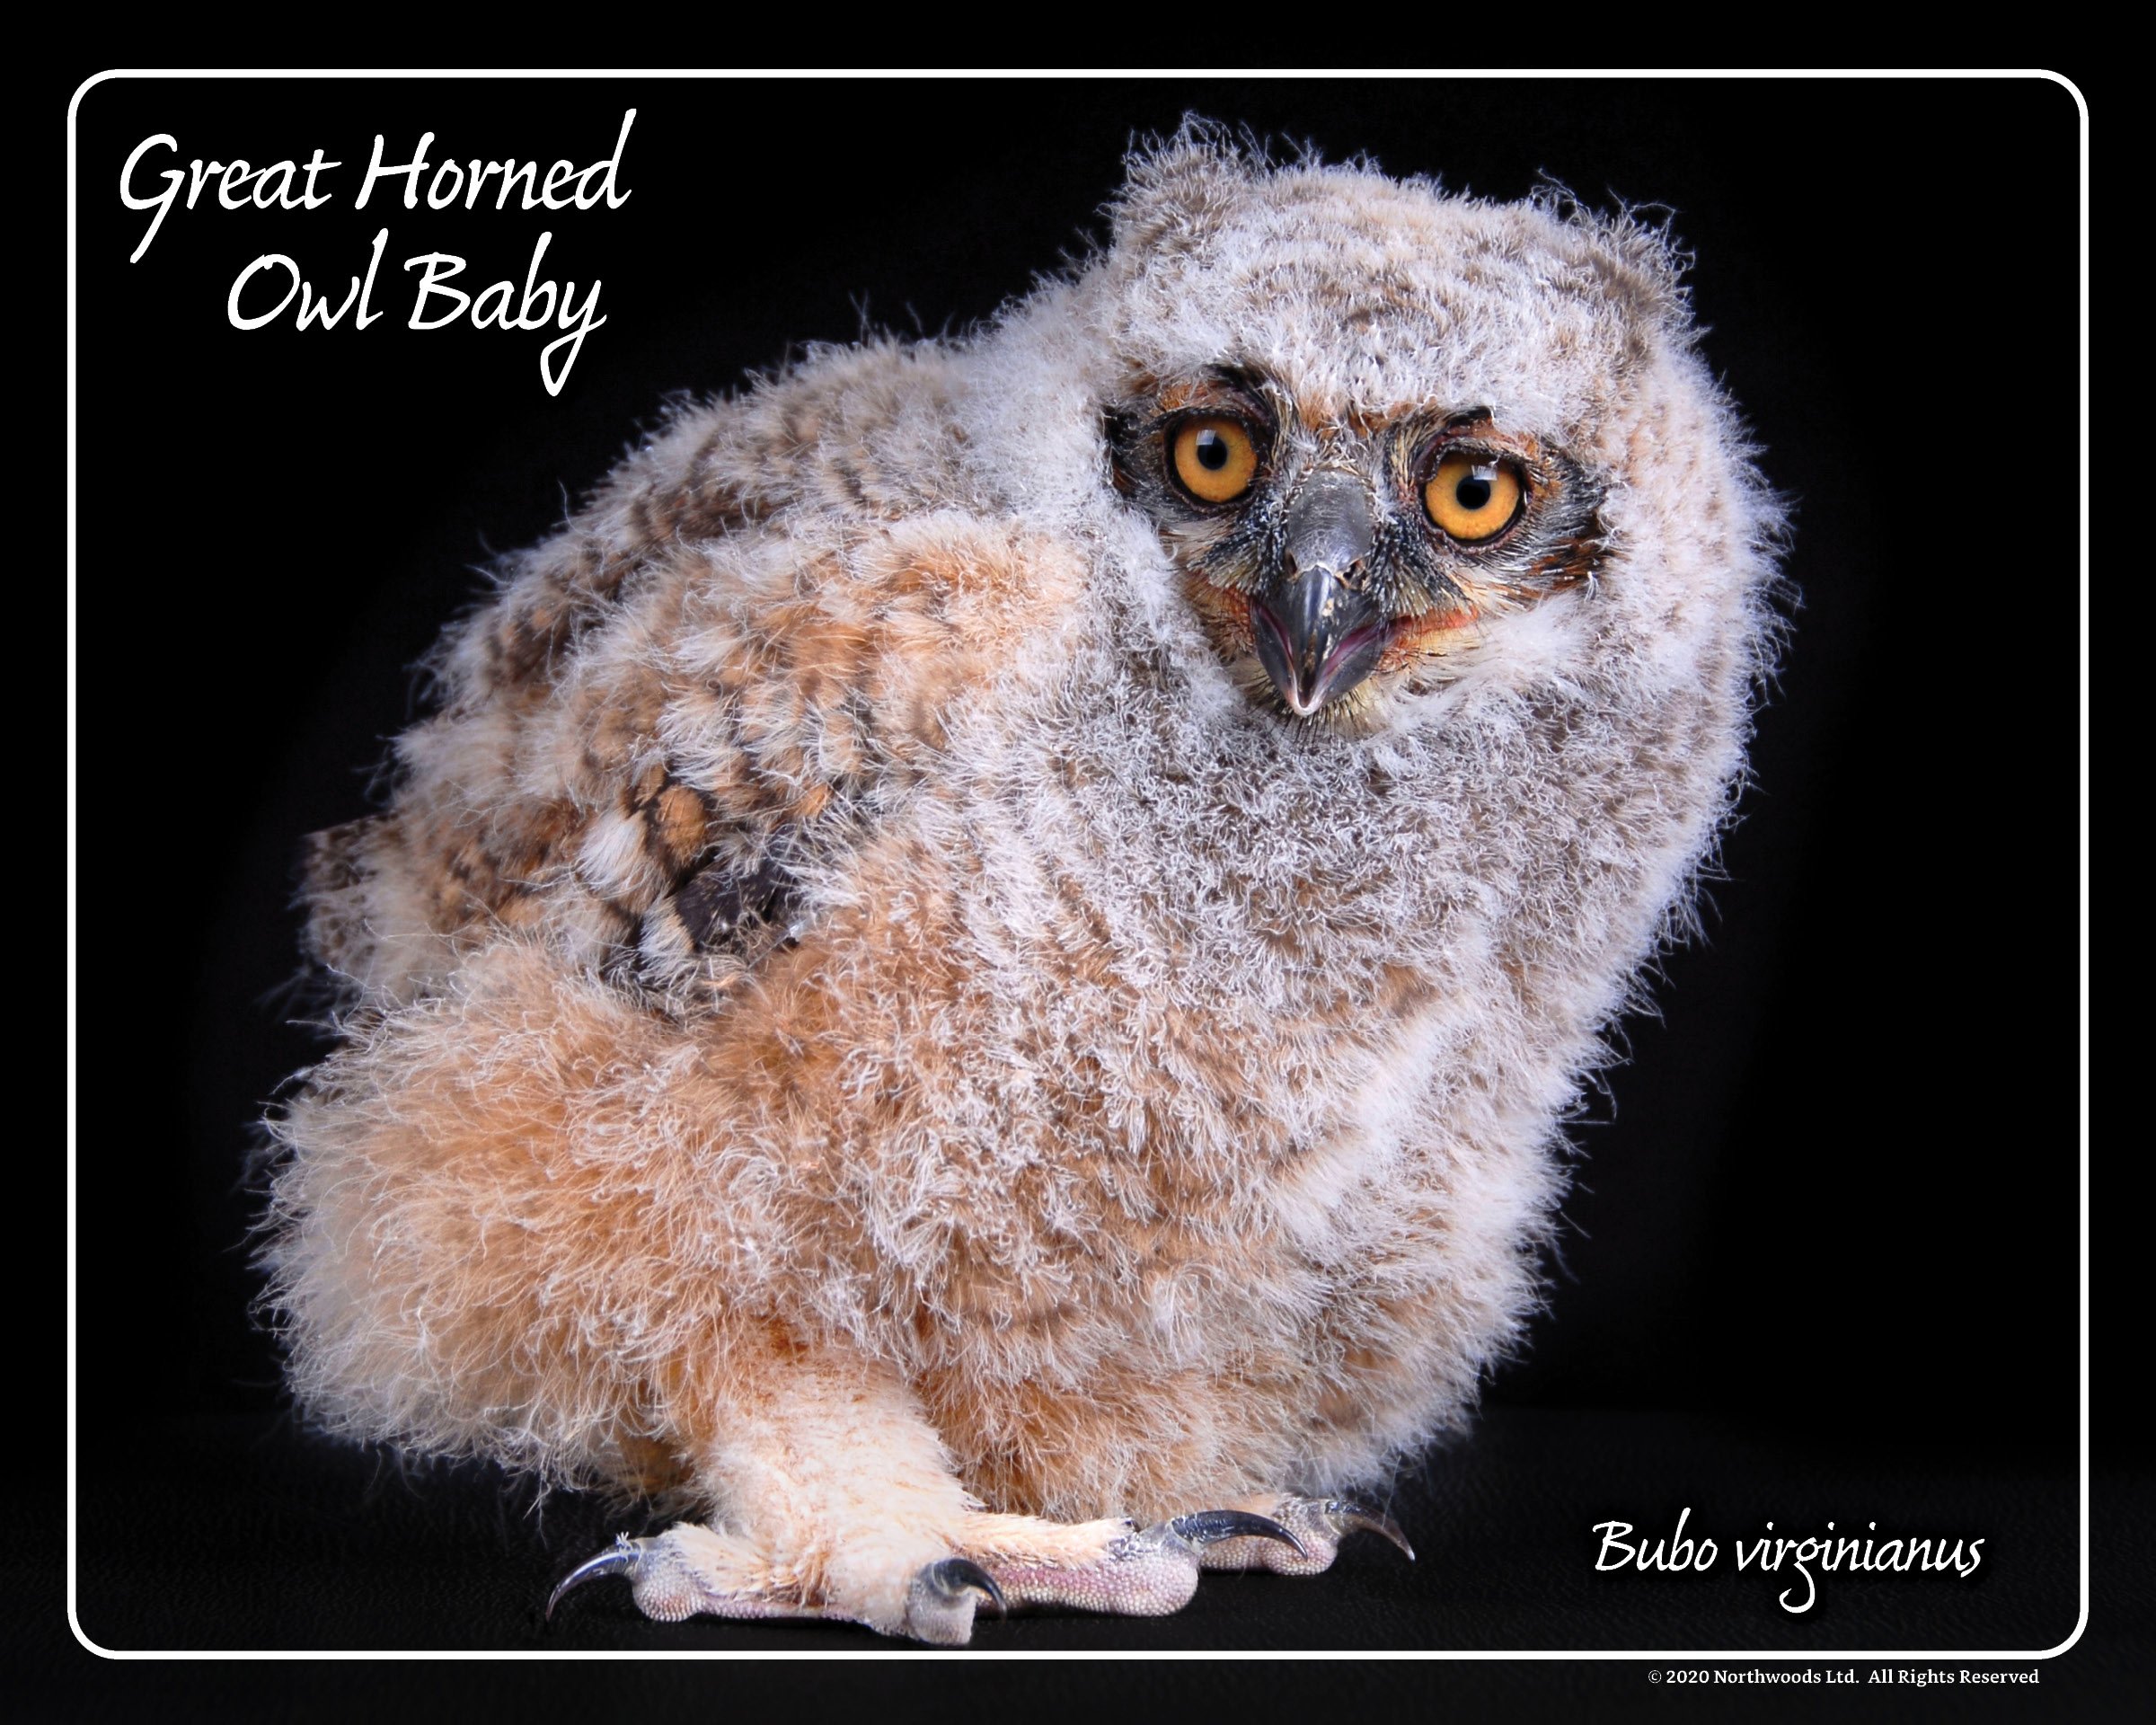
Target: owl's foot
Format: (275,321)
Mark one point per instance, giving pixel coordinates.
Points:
(1319,1526)
(1108,1566)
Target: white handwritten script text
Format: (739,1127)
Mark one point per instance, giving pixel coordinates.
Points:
(274,287)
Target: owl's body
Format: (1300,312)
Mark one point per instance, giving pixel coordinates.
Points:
(868,1016)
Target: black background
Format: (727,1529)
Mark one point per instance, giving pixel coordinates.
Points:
(1825,1239)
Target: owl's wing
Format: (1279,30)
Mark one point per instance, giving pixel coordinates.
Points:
(676,721)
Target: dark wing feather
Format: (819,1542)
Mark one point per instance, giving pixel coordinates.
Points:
(655,721)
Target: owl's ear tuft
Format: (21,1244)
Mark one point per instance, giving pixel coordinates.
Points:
(1632,252)
(1177,189)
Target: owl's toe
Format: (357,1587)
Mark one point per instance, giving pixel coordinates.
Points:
(1319,1526)
(1206,1528)
(1117,1567)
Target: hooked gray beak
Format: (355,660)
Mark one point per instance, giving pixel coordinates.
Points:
(1317,636)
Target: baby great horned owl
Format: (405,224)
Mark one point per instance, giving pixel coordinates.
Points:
(975,977)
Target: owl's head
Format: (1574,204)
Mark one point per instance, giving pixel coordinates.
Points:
(1370,422)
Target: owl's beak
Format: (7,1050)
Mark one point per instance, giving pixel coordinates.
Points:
(1318,635)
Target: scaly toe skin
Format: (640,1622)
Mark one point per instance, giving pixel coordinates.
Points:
(941,1603)
(1132,1571)
(1319,1525)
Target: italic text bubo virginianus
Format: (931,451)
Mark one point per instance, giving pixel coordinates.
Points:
(974,979)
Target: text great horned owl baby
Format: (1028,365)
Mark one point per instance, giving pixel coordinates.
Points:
(974,978)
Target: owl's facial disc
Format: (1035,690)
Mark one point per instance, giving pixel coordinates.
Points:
(1317,633)
(1336,560)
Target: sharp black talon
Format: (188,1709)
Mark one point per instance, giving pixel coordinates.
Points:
(1353,1517)
(621,1558)
(1210,1527)
(954,1575)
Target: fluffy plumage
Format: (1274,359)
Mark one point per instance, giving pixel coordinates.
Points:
(867,1014)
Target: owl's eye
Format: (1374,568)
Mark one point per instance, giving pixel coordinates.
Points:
(1473,496)
(1213,458)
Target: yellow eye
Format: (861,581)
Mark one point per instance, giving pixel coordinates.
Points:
(1473,496)
(1215,459)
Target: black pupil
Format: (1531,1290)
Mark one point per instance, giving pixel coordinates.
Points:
(1212,451)
(1474,492)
